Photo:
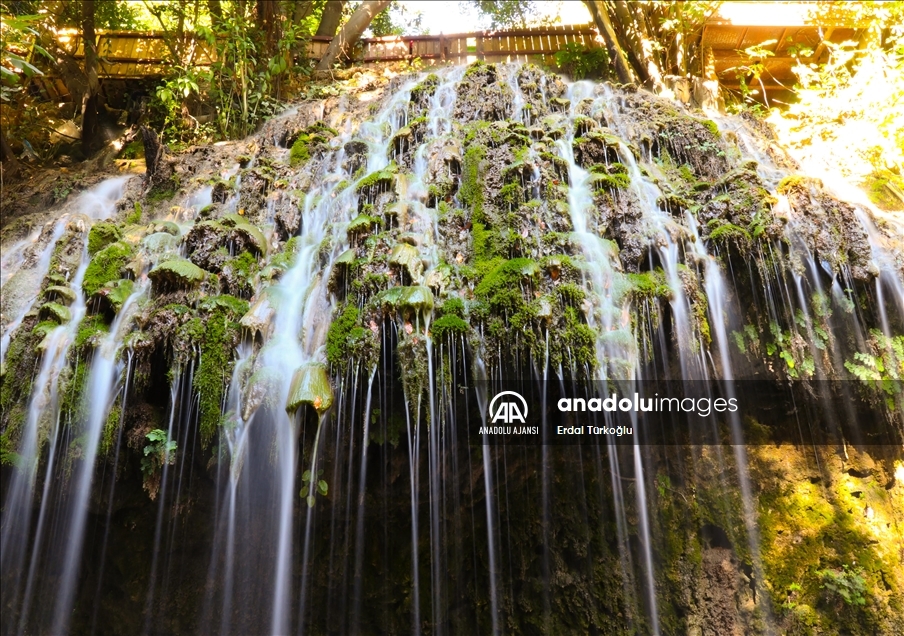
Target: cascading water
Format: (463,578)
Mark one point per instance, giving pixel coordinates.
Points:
(275,407)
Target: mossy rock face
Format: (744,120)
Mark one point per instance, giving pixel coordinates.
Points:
(310,142)
(166,226)
(60,293)
(483,94)
(245,234)
(417,298)
(56,312)
(408,258)
(311,386)
(448,325)
(108,265)
(361,224)
(596,147)
(379,181)
(102,234)
(346,258)
(160,243)
(114,296)
(177,274)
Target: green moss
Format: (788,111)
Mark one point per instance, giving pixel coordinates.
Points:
(16,382)
(217,333)
(381,179)
(56,312)
(134,217)
(102,234)
(106,266)
(426,88)
(454,307)
(338,336)
(712,127)
(471,191)
(448,325)
(178,273)
(512,194)
(163,192)
(649,285)
(730,233)
(610,177)
(310,385)
(501,286)
(90,330)
(300,153)
(571,293)
(792,182)
(362,224)
(111,427)
(73,405)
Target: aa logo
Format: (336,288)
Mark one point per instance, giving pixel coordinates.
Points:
(510,410)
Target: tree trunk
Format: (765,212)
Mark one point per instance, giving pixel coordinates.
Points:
(601,18)
(8,159)
(90,98)
(331,17)
(268,23)
(216,13)
(303,8)
(351,32)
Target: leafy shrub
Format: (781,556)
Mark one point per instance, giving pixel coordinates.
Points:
(580,61)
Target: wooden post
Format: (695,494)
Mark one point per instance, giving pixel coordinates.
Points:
(442,47)
(479,40)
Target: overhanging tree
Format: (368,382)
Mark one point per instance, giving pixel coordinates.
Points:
(351,32)
(648,40)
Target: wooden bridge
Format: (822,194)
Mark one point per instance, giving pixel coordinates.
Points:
(144,55)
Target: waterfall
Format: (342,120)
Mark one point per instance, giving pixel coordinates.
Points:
(320,389)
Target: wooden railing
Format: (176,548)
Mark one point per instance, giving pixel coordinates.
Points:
(138,55)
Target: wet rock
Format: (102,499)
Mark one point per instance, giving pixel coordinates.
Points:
(177,274)
(407,258)
(482,95)
(310,386)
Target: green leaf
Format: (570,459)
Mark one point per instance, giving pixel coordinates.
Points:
(322,487)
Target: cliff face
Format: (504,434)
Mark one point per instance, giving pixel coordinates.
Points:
(241,394)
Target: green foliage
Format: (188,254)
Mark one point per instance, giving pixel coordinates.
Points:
(882,368)
(580,61)
(859,88)
(510,14)
(158,452)
(846,585)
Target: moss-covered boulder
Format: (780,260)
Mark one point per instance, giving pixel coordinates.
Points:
(244,234)
(56,312)
(112,297)
(417,299)
(177,274)
(102,234)
(60,293)
(109,264)
(408,259)
(311,386)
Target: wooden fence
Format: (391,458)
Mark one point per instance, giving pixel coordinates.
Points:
(140,55)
